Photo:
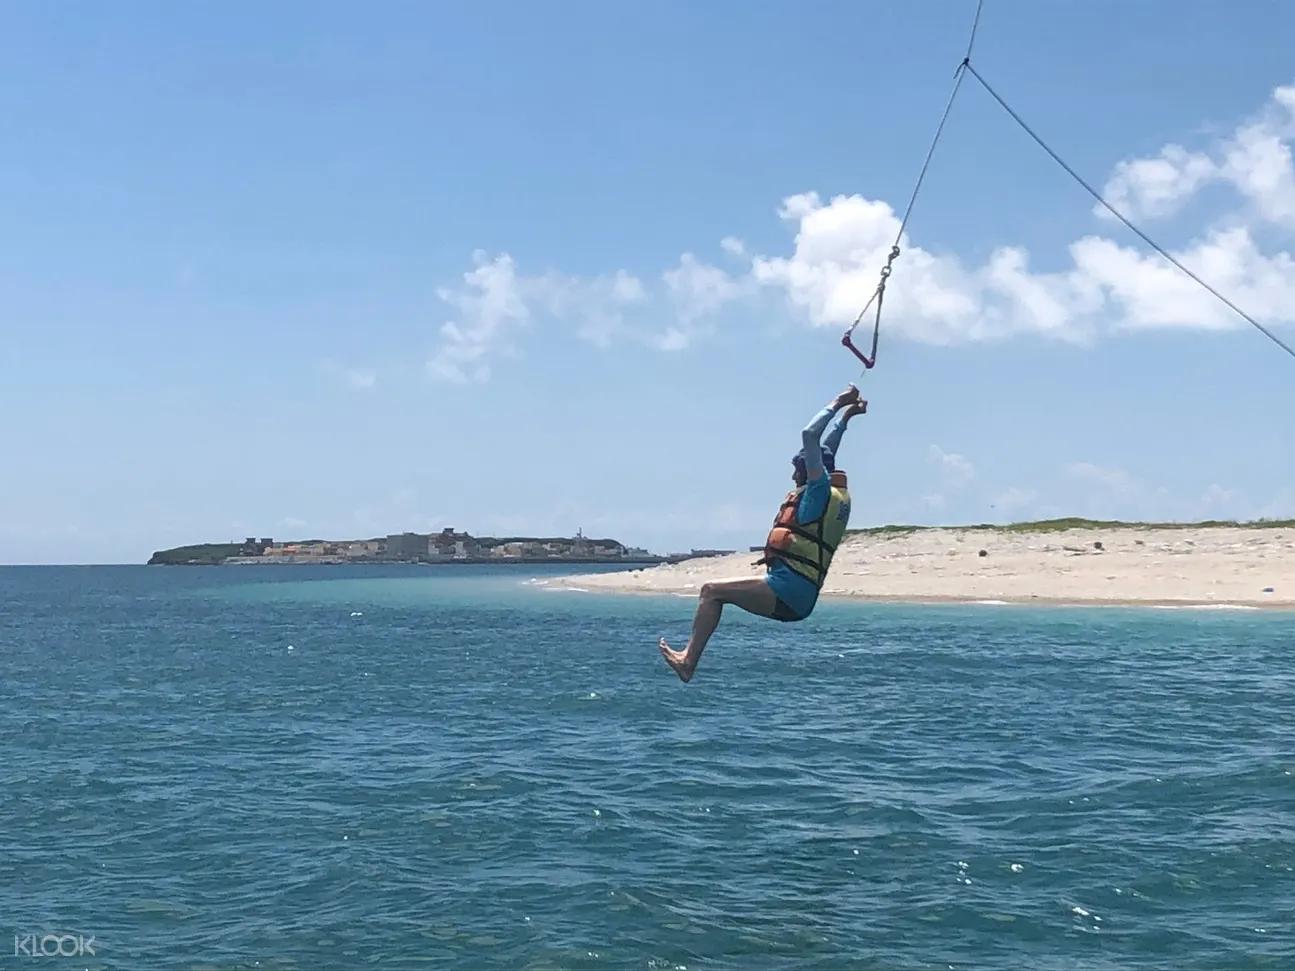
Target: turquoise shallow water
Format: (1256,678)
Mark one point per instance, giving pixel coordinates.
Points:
(449,768)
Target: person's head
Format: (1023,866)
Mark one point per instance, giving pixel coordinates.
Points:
(798,473)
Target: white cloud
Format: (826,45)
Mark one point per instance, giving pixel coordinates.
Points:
(1217,496)
(1014,498)
(700,289)
(937,300)
(1281,506)
(1255,160)
(839,247)
(493,304)
(497,301)
(361,379)
(955,472)
(597,305)
(1152,188)
(355,378)
(954,468)
(1117,494)
(1116,480)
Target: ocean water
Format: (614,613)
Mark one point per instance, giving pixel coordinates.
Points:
(452,768)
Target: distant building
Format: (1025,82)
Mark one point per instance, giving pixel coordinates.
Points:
(450,543)
(407,546)
(580,546)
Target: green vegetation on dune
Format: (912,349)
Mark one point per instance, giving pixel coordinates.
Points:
(1075,522)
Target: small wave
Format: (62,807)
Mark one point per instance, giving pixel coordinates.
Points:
(876,783)
(1204,607)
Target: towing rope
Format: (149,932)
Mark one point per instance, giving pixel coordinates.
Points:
(879,294)
(1121,217)
(965,67)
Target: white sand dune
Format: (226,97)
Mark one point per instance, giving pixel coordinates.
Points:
(1192,565)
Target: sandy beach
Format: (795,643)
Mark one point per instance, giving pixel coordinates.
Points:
(1250,566)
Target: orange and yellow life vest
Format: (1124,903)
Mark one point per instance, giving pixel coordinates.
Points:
(808,547)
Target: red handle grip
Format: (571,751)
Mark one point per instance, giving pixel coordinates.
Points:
(867,362)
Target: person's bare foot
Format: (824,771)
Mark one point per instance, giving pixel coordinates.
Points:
(849,395)
(860,407)
(679,661)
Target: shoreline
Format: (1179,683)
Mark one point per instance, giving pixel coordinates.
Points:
(934,600)
(1209,566)
(446,561)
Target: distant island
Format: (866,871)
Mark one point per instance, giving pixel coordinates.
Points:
(447,546)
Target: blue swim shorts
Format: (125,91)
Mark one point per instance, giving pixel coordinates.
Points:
(796,595)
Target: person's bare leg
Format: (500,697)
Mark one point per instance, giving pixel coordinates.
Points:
(753,595)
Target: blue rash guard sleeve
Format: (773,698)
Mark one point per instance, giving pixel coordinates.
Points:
(817,487)
(813,501)
(795,591)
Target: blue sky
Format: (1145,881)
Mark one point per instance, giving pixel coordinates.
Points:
(233,236)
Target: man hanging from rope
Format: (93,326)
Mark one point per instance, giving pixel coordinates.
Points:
(809,527)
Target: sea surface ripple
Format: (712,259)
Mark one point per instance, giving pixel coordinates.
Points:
(449,767)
